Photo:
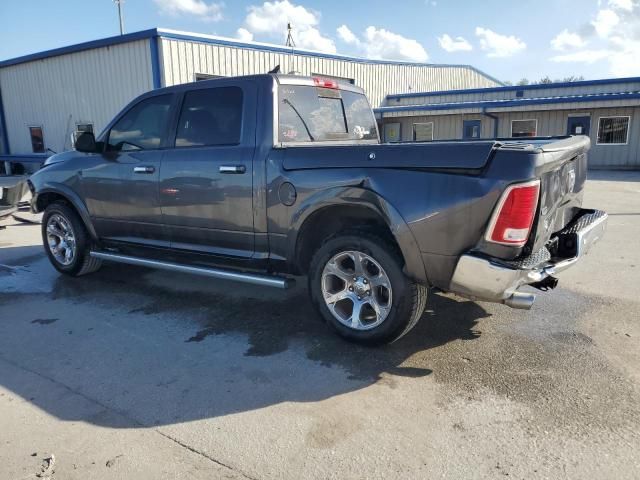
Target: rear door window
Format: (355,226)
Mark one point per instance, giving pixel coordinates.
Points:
(143,127)
(209,117)
(315,114)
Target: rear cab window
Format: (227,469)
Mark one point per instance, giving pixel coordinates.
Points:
(210,117)
(308,113)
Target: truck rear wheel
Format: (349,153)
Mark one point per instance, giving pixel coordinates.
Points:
(66,241)
(357,284)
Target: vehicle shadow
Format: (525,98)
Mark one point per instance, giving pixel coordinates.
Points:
(168,348)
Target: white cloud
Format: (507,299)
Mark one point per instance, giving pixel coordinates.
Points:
(347,36)
(312,38)
(379,43)
(271,19)
(617,26)
(497,45)
(583,56)
(625,59)
(566,39)
(458,44)
(626,5)
(211,12)
(244,35)
(605,21)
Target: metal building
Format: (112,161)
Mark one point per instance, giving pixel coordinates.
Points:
(47,96)
(606,110)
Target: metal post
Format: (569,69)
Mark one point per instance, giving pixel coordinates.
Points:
(119,3)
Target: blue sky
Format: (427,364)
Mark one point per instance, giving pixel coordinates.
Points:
(507,39)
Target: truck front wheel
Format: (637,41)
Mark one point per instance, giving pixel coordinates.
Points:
(66,241)
(357,285)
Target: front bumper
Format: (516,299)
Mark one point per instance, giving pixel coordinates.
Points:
(12,190)
(494,280)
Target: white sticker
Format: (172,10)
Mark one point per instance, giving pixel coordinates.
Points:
(578,130)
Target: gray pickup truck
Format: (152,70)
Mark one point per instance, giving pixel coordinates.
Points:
(262,178)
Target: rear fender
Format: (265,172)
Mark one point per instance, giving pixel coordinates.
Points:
(354,196)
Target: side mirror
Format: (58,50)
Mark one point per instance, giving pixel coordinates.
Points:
(86,142)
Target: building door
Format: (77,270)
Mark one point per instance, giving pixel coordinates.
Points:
(470,129)
(578,125)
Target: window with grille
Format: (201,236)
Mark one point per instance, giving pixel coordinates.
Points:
(613,130)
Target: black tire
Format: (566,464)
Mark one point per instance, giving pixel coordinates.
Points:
(409,298)
(82,262)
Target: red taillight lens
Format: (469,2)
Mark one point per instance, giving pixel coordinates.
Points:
(512,219)
(325,82)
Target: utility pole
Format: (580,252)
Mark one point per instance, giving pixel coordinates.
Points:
(119,3)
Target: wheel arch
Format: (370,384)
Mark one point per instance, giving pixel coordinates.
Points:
(52,192)
(309,226)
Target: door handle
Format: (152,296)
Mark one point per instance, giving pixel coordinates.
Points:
(232,169)
(146,169)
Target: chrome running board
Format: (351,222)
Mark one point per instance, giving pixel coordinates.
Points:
(263,280)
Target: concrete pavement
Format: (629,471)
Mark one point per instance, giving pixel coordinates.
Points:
(135,373)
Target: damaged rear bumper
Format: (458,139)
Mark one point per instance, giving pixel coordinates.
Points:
(494,280)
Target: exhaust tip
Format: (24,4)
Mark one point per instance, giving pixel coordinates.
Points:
(520,300)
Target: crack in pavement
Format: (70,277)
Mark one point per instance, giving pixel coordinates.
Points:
(127,417)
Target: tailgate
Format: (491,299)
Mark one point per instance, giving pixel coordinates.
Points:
(562,169)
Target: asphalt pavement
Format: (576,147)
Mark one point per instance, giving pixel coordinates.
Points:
(135,373)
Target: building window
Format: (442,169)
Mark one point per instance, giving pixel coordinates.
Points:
(211,116)
(37,139)
(524,128)
(423,132)
(613,130)
(84,127)
(471,129)
(80,129)
(392,132)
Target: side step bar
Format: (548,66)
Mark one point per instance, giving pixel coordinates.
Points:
(263,280)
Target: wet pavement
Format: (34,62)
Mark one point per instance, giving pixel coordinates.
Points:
(135,373)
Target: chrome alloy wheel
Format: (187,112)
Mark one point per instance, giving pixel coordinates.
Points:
(61,239)
(357,290)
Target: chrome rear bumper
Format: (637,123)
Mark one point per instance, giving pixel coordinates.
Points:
(481,278)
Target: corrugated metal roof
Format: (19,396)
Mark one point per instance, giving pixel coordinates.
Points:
(515,88)
(513,102)
(179,35)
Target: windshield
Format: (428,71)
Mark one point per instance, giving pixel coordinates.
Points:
(316,114)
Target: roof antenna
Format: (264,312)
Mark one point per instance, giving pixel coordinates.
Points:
(290,42)
(276,69)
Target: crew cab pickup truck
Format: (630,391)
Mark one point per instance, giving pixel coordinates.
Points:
(263,178)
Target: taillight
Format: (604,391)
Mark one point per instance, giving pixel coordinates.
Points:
(325,82)
(513,217)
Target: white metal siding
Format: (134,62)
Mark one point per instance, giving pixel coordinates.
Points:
(182,59)
(600,156)
(550,123)
(83,87)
